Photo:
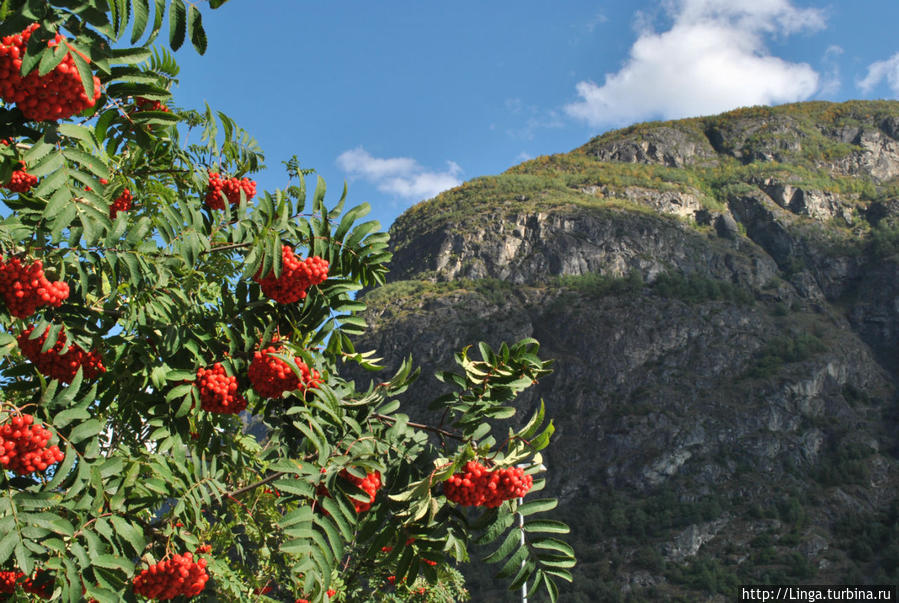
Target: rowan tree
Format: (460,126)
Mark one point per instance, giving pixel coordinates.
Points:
(174,421)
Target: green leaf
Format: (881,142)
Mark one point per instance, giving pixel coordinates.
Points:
(85,430)
(177,23)
(537,506)
(7,344)
(131,534)
(542,440)
(513,539)
(23,559)
(548,526)
(114,16)
(7,545)
(556,561)
(149,91)
(50,58)
(551,588)
(514,565)
(47,164)
(113,562)
(554,544)
(91,162)
(559,573)
(141,17)
(195,26)
(130,56)
(533,425)
(360,232)
(77,132)
(299,487)
(103,122)
(63,469)
(301,515)
(53,523)
(84,71)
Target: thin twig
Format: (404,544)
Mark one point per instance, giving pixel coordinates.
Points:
(430,428)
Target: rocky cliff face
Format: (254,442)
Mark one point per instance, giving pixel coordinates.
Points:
(721,298)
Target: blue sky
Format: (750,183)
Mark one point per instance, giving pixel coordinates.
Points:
(402,99)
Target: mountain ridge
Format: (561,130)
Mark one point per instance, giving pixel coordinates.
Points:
(722,300)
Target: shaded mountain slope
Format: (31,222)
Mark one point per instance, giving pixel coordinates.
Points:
(721,298)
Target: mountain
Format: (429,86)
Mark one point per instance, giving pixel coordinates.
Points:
(721,298)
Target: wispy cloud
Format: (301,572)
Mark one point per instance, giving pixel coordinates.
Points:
(597,20)
(887,69)
(830,83)
(400,176)
(531,118)
(712,58)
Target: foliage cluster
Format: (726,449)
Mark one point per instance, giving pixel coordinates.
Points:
(885,239)
(696,288)
(595,285)
(166,288)
(872,540)
(784,349)
(383,299)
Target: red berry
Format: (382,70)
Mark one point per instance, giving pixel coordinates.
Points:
(370,484)
(23,446)
(8,581)
(479,486)
(231,187)
(58,94)
(177,576)
(295,277)
(122,203)
(271,376)
(25,288)
(21,181)
(57,365)
(218,391)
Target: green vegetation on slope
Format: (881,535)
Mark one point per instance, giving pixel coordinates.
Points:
(806,137)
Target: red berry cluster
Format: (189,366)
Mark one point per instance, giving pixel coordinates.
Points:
(218,391)
(23,446)
(8,581)
(479,486)
(371,483)
(145,104)
(296,277)
(57,95)
(38,586)
(60,366)
(21,181)
(231,187)
(271,376)
(24,288)
(122,203)
(173,577)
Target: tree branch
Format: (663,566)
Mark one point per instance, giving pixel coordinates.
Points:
(424,427)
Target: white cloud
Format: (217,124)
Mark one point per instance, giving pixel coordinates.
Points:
(830,82)
(887,69)
(713,58)
(400,176)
